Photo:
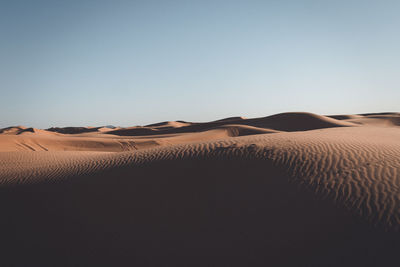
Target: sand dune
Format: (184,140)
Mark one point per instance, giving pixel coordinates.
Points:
(117,139)
(242,130)
(13,130)
(78,130)
(374,119)
(293,189)
(295,121)
(168,124)
(344,117)
(231,119)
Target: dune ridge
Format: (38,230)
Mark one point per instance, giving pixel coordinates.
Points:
(294,121)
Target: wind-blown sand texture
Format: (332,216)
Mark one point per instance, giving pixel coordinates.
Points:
(292,189)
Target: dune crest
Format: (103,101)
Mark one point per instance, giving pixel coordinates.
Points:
(294,121)
(12,130)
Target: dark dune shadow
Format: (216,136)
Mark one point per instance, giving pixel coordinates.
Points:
(206,212)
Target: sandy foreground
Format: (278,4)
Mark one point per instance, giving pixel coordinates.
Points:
(292,189)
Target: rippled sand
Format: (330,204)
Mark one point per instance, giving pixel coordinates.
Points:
(293,189)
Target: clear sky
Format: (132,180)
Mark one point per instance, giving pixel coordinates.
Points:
(137,62)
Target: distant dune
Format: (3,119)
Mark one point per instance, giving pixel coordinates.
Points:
(292,189)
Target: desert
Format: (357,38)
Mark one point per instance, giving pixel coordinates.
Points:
(208,133)
(291,189)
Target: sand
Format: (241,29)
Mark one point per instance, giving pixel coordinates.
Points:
(292,189)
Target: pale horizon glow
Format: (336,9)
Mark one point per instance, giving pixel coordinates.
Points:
(125,63)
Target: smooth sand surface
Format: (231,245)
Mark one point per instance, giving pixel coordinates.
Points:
(292,189)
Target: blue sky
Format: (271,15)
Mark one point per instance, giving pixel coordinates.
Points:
(138,62)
